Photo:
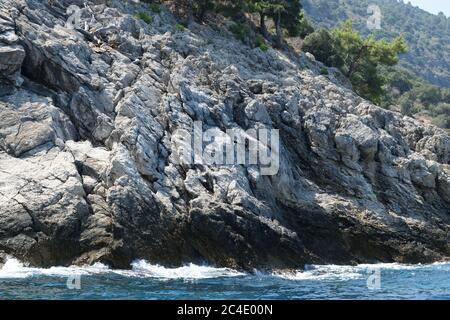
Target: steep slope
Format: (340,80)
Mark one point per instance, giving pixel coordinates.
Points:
(428,35)
(88,166)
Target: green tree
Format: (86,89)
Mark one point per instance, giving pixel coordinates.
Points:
(303,28)
(189,9)
(262,7)
(358,51)
(428,36)
(322,45)
(292,17)
(285,14)
(201,7)
(363,56)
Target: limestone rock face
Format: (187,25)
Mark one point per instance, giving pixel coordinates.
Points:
(89,108)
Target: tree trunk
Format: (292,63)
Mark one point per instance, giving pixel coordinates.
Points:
(262,23)
(183,10)
(202,9)
(279,38)
(353,66)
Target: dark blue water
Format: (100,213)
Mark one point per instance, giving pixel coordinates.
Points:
(383,281)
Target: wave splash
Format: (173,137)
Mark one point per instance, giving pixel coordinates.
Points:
(190,271)
(15,269)
(329,272)
(344,273)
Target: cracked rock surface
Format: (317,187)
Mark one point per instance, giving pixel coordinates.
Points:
(87,167)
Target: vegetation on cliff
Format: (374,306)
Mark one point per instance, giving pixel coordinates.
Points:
(420,83)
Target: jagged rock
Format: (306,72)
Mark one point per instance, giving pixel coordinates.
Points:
(11,58)
(42,204)
(89,172)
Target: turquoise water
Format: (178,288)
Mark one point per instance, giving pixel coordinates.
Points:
(145,281)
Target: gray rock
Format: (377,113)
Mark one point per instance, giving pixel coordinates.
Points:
(88,170)
(11,58)
(310,56)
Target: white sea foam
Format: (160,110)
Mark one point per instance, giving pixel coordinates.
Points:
(345,273)
(398,266)
(142,269)
(328,272)
(15,269)
(190,271)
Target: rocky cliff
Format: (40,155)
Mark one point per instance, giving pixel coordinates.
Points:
(87,166)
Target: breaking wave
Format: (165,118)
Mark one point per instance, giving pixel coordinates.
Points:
(15,269)
(190,271)
(344,273)
(142,269)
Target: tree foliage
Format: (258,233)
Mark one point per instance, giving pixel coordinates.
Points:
(409,84)
(302,28)
(357,57)
(362,56)
(322,45)
(427,35)
(190,9)
(414,96)
(286,14)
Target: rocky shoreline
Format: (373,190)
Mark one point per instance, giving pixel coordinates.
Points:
(87,167)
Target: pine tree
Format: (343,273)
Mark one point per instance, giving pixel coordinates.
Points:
(362,56)
(285,14)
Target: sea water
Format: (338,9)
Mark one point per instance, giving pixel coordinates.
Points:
(146,281)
